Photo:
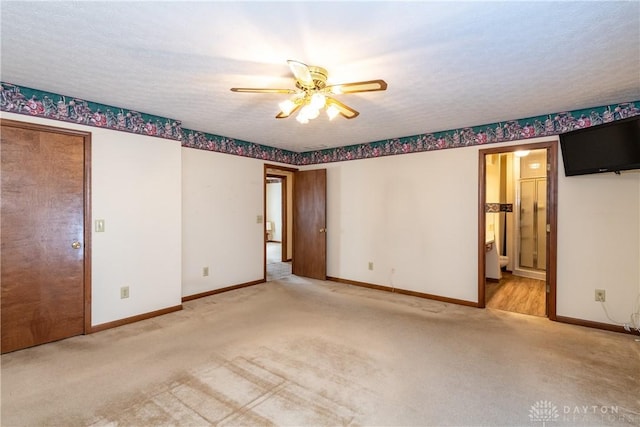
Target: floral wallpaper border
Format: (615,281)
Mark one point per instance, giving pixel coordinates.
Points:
(221,144)
(532,127)
(23,100)
(32,102)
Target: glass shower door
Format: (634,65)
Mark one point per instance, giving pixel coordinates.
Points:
(541,224)
(533,214)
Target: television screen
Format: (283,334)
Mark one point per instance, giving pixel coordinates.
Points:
(610,147)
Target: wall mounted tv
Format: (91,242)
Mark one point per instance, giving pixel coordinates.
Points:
(610,147)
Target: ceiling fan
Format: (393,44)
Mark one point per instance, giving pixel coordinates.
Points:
(312,93)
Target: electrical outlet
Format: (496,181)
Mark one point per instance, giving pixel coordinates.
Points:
(601,295)
(370,265)
(205,271)
(124,292)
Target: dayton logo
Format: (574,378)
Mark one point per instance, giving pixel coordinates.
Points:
(543,411)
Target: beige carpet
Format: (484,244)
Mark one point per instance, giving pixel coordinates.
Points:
(276,269)
(311,353)
(274,252)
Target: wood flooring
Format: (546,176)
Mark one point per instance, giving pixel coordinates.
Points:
(517,294)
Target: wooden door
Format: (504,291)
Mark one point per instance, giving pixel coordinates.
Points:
(43,234)
(309,224)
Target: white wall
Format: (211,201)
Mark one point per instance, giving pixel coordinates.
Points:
(221,198)
(136,189)
(274,209)
(598,244)
(415,217)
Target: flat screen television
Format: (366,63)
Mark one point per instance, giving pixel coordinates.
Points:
(610,147)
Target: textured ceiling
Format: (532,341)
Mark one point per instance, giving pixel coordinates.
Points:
(448,64)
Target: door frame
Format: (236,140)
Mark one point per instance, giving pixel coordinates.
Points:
(552,218)
(272,170)
(87,203)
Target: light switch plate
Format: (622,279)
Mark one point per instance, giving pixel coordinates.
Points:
(99,225)
(259,219)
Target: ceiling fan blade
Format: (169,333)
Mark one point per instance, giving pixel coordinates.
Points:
(262,90)
(345,111)
(367,86)
(302,73)
(283,115)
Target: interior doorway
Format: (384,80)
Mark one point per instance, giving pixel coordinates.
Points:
(517,235)
(304,238)
(278,205)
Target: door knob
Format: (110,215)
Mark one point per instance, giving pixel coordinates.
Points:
(323,230)
(76,245)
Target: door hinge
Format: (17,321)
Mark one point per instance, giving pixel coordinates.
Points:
(548,228)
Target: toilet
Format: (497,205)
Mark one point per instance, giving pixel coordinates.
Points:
(504,260)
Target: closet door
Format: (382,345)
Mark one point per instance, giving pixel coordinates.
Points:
(43,234)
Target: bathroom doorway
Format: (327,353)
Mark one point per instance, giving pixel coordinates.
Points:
(517,235)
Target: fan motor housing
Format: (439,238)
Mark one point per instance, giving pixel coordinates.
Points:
(319,76)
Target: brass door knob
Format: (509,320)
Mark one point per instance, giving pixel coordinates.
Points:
(76,245)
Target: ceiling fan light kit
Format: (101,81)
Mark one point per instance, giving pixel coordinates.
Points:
(312,94)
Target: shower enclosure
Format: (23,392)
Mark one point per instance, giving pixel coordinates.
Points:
(531,199)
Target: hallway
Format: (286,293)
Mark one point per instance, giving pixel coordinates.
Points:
(276,269)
